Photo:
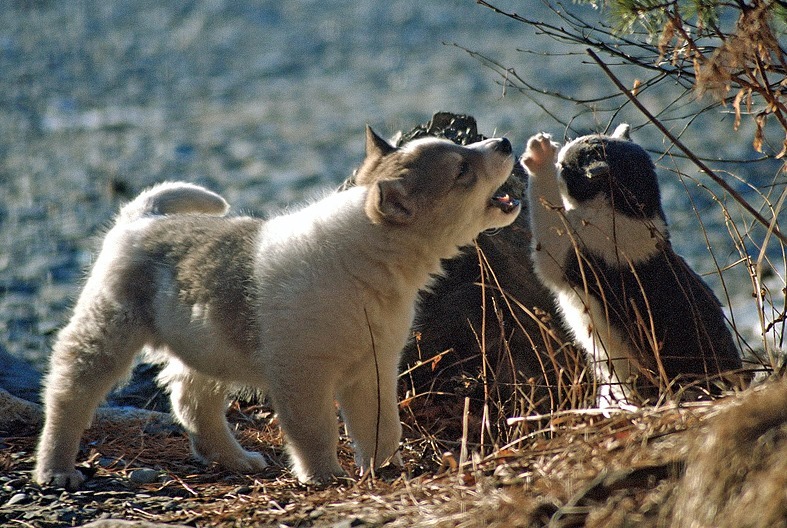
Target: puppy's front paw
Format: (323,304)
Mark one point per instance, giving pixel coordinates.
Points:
(69,480)
(540,154)
(252,462)
(325,473)
(244,462)
(324,478)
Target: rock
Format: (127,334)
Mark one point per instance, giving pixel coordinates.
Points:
(316,513)
(121,414)
(144,476)
(18,498)
(111,462)
(350,523)
(18,377)
(15,483)
(16,412)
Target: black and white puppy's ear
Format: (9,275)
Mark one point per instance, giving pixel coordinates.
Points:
(623,131)
(375,145)
(390,202)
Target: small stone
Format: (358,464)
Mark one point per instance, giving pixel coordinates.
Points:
(81,494)
(316,513)
(144,476)
(46,499)
(19,498)
(114,494)
(178,492)
(67,516)
(169,506)
(16,483)
(111,462)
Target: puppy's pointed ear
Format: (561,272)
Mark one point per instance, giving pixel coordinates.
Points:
(376,149)
(375,145)
(389,202)
(623,131)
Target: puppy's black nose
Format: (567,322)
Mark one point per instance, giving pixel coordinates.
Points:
(504,146)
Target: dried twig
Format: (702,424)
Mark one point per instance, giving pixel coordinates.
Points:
(769,224)
(379,397)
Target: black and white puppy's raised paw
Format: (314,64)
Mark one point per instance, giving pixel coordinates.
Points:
(540,154)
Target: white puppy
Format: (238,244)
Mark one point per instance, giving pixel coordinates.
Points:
(601,244)
(311,307)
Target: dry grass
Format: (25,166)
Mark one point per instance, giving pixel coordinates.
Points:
(464,465)
(581,468)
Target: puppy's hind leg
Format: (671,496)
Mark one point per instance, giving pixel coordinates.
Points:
(90,355)
(200,405)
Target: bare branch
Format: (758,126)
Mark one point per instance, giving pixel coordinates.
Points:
(704,168)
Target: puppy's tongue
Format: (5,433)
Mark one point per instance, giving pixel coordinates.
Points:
(504,202)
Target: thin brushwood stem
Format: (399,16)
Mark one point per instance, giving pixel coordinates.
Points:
(771,225)
(548,335)
(463,454)
(484,359)
(379,397)
(758,272)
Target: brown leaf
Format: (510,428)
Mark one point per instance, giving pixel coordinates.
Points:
(781,154)
(435,360)
(759,134)
(635,89)
(736,105)
(666,38)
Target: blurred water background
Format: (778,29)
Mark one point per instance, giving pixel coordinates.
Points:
(266,103)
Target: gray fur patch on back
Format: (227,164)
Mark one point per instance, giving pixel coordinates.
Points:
(212,262)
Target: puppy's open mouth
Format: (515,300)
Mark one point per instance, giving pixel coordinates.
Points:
(504,202)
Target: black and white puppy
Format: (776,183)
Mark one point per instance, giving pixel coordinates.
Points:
(601,245)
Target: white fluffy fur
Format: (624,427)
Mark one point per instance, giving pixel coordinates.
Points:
(334,287)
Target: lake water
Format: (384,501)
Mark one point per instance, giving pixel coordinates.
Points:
(266,102)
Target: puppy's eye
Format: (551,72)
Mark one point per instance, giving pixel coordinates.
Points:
(465,175)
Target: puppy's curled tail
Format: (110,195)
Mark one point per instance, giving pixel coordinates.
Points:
(173,198)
